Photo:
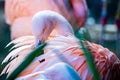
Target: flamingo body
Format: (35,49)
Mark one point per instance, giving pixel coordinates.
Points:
(61,48)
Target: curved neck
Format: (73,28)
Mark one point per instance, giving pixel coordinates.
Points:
(44,22)
(61,25)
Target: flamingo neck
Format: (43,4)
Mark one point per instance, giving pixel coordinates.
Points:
(44,22)
(62,26)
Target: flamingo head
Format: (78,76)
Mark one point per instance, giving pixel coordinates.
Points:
(44,22)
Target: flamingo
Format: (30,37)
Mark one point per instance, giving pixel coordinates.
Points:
(62,47)
(19,13)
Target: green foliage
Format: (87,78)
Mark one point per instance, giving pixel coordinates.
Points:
(2,66)
(85,33)
(29,58)
(88,56)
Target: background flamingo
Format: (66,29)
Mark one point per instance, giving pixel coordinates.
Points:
(19,13)
(62,47)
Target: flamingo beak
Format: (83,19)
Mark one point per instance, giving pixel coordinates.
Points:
(37,42)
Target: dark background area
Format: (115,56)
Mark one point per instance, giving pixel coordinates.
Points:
(95,9)
(4,33)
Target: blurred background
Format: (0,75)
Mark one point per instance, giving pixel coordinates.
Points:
(4,32)
(93,24)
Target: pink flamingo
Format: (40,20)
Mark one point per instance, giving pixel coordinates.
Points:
(62,47)
(19,13)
